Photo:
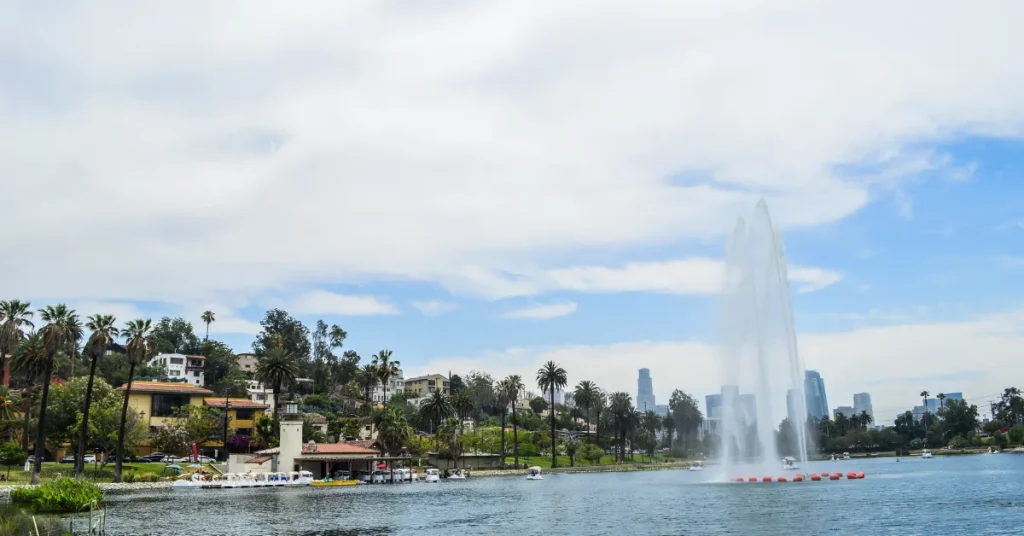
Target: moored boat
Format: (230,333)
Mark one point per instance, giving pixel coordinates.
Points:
(533,473)
(926,453)
(433,475)
(696,466)
(789,464)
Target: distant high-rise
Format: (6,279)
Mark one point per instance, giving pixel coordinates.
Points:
(862,404)
(814,391)
(712,403)
(748,408)
(844,410)
(644,391)
(793,407)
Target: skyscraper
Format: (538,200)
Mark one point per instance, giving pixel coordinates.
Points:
(814,391)
(862,403)
(644,391)
(712,403)
(793,407)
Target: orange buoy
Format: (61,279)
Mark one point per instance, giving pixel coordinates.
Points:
(798,478)
(851,475)
(737,479)
(752,479)
(766,479)
(860,474)
(782,479)
(834,476)
(815,477)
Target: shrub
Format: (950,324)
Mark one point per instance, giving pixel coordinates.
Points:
(62,495)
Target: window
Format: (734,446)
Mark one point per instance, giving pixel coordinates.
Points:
(164,405)
(173,372)
(244,414)
(243,431)
(195,373)
(177,361)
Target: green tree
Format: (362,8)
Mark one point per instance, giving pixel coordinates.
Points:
(30,361)
(280,330)
(105,420)
(386,368)
(515,386)
(277,367)
(436,410)
(61,332)
(11,455)
(621,407)
(538,405)
(504,397)
(479,387)
(959,418)
(463,404)
(393,432)
(175,335)
(585,395)
(208,318)
(267,432)
(1016,434)
(15,317)
(104,332)
(367,379)
(138,349)
(924,396)
(550,378)
(687,415)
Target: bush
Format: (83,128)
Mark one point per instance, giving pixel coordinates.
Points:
(63,495)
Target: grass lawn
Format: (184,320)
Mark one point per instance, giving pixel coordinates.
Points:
(93,472)
(563,461)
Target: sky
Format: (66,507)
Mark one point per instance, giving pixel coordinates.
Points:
(489,186)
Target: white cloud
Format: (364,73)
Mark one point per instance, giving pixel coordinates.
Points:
(241,150)
(683,276)
(543,312)
(893,363)
(435,307)
(322,302)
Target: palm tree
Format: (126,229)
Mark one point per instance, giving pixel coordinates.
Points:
(549,378)
(29,360)
(436,410)
(515,386)
(393,431)
(139,347)
(585,395)
(103,334)
(621,406)
(942,401)
(62,329)
(924,395)
(504,398)
(386,369)
(208,318)
(15,315)
(367,378)
(600,404)
(463,404)
(669,425)
(865,419)
(277,368)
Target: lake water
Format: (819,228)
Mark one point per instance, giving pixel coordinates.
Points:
(981,494)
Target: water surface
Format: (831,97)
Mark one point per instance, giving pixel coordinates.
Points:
(980,494)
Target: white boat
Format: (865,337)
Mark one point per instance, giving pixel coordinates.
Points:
(846,455)
(402,475)
(243,480)
(193,481)
(789,464)
(433,475)
(926,453)
(533,473)
(696,466)
(457,475)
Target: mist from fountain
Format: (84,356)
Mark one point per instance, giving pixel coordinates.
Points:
(759,351)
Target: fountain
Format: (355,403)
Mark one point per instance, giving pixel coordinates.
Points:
(759,348)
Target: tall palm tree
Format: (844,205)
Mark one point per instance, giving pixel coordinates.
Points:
(621,406)
(368,379)
(436,410)
(942,401)
(29,361)
(504,398)
(924,395)
(585,395)
(62,329)
(138,348)
(552,377)
(15,316)
(865,419)
(103,334)
(386,369)
(463,404)
(515,386)
(277,368)
(208,318)
(669,425)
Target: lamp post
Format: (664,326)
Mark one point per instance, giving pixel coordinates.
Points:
(227,406)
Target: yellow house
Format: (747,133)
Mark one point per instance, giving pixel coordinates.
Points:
(426,385)
(157,401)
(242,416)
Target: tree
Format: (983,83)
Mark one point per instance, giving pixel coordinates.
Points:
(62,330)
(479,388)
(283,331)
(436,410)
(924,395)
(463,404)
(942,400)
(11,455)
(550,378)
(174,336)
(621,407)
(208,318)
(687,415)
(538,405)
(572,446)
(276,368)
(386,369)
(367,378)
(514,384)
(393,431)
(504,394)
(105,420)
(669,425)
(138,349)
(15,316)
(104,332)
(29,360)
(585,395)
(960,418)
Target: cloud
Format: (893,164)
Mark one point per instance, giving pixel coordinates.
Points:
(893,363)
(543,312)
(492,136)
(322,302)
(435,307)
(683,276)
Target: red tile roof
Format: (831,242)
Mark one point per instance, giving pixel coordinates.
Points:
(319,419)
(337,448)
(236,403)
(259,459)
(195,357)
(167,387)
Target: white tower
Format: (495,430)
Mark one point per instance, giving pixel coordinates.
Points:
(291,438)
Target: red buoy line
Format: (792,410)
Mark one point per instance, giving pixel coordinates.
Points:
(813,477)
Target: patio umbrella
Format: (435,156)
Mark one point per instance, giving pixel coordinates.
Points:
(173,466)
(196,466)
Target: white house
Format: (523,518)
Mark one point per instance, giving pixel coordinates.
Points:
(259,393)
(183,367)
(395,385)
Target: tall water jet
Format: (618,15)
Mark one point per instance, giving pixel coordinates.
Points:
(761,368)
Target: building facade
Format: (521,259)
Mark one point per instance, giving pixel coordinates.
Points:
(247,362)
(396,384)
(421,386)
(848,411)
(189,368)
(862,404)
(157,401)
(712,403)
(242,416)
(814,391)
(644,391)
